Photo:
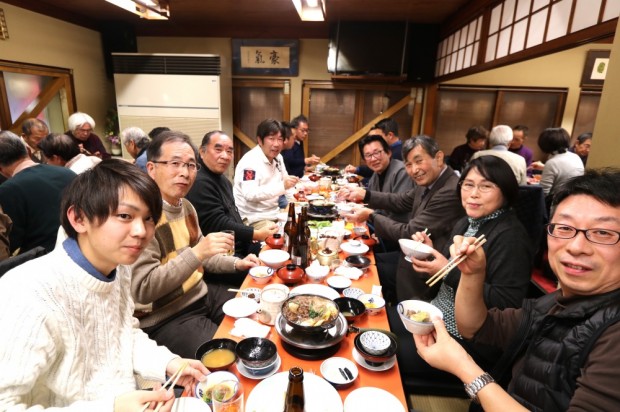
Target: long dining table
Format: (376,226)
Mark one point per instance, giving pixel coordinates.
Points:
(388,380)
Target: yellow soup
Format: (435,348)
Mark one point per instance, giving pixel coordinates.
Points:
(217,358)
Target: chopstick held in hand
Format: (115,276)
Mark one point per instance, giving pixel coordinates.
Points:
(453,262)
(172,381)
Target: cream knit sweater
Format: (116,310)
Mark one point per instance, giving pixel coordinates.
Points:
(69,340)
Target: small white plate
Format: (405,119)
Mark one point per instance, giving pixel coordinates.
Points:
(187,404)
(371,399)
(315,289)
(387,365)
(240,307)
(332,369)
(315,197)
(244,371)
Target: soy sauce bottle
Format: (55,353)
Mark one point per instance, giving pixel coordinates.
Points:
(295,399)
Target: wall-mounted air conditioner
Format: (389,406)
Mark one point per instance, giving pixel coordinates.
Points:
(180,91)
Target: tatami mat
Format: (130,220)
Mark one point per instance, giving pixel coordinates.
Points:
(427,403)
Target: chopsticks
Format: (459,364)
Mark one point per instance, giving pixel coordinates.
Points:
(172,381)
(453,262)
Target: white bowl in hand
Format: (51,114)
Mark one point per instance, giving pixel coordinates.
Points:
(410,310)
(413,248)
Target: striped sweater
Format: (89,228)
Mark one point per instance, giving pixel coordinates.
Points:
(167,277)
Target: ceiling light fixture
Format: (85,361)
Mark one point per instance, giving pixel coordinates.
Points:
(310,10)
(146,9)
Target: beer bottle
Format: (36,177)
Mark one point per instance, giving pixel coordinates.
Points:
(290,229)
(303,238)
(295,400)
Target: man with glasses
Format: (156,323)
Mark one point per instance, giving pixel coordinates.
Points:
(388,129)
(560,351)
(389,175)
(261,177)
(175,306)
(433,204)
(80,130)
(294,156)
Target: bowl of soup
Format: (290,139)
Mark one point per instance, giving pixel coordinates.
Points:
(217,354)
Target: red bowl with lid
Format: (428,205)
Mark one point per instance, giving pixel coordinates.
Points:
(275,241)
(291,274)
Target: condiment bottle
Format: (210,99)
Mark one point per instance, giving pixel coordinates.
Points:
(290,229)
(295,399)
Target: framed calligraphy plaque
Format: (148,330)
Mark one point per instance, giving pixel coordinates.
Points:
(265,57)
(595,69)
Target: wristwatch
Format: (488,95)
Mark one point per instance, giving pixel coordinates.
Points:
(474,387)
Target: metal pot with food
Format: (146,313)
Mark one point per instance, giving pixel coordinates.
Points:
(310,313)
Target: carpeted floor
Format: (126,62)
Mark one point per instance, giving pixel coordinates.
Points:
(427,403)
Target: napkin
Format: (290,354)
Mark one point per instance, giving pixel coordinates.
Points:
(349,272)
(246,327)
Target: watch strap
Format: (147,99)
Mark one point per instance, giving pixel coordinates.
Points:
(477,384)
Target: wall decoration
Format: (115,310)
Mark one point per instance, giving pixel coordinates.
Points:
(595,69)
(265,57)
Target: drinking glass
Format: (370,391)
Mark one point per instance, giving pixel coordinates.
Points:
(227,396)
(232,233)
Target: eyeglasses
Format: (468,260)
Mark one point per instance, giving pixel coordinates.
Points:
(600,236)
(80,130)
(176,164)
(376,154)
(274,139)
(482,187)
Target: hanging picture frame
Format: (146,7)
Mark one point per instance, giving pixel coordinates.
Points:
(265,57)
(595,69)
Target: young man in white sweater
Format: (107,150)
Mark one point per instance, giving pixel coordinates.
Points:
(69,339)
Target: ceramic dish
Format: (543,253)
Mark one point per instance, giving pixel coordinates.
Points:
(252,293)
(371,399)
(339,283)
(353,292)
(274,258)
(240,307)
(315,289)
(340,372)
(379,368)
(269,394)
(187,404)
(354,247)
(248,374)
(417,328)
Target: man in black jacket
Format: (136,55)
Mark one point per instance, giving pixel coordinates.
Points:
(212,196)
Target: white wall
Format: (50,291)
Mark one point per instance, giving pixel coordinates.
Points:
(37,39)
